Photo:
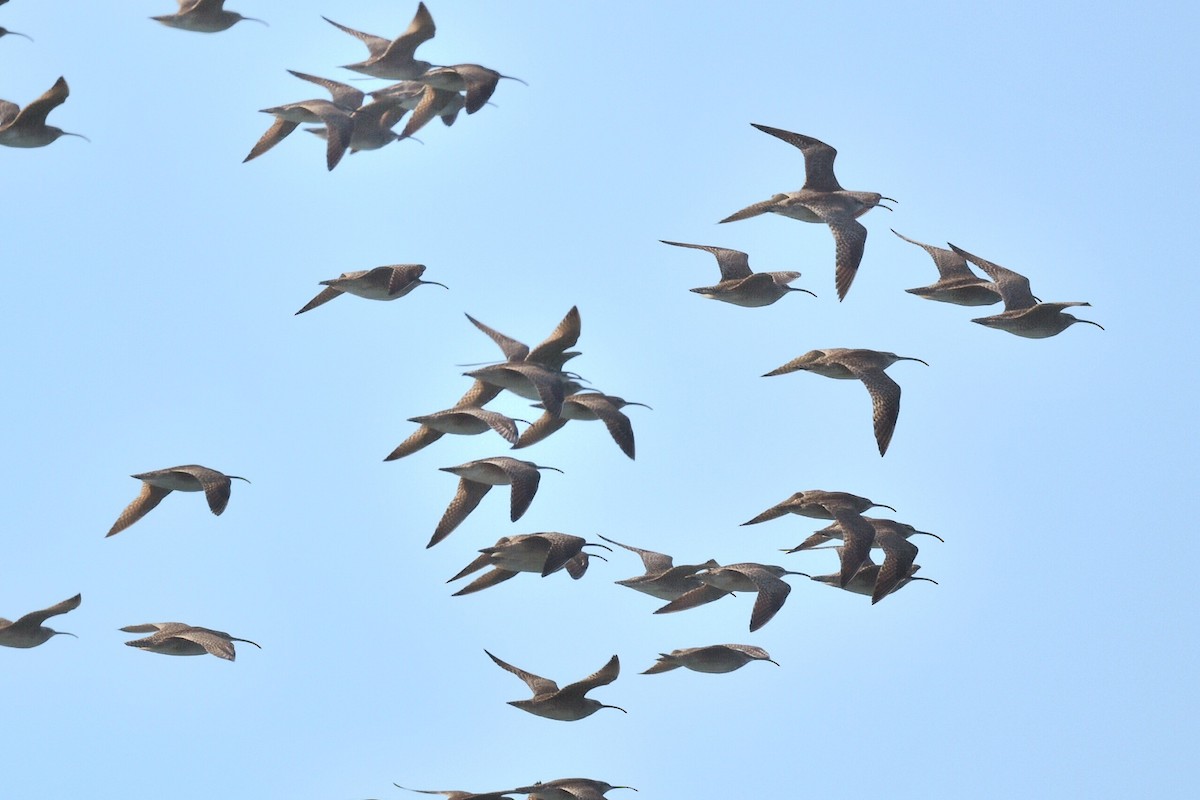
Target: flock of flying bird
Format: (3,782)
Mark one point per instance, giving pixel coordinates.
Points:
(539,374)
(346,121)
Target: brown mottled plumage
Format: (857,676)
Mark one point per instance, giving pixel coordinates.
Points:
(568,703)
(1023,315)
(159,483)
(29,630)
(476,478)
(858,364)
(822,199)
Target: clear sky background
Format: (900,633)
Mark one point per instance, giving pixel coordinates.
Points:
(152,280)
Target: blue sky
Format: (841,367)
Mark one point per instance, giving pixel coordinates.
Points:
(150,322)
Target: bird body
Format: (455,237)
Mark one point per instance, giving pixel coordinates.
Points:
(203,16)
(158,483)
(337,115)
(26,127)
(1023,314)
(763,579)
(381,283)
(866,580)
(568,789)
(739,285)
(567,704)
(662,579)
(181,639)
(476,478)
(30,630)
(956,283)
(868,366)
(822,199)
(588,406)
(477,81)
(714,658)
(817,504)
(394,59)
(544,553)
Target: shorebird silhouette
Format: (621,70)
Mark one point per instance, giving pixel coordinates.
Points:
(663,579)
(956,283)
(203,16)
(394,59)
(858,364)
(26,127)
(30,630)
(1023,315)
(181,639)
(586,406)
(381,283)
(866,580)
(568,703)
(764,579)
(336,115)
(476,479)
(569,789)
(159,483)
(544,553)
(822,199)
(713,658)
(739,285)
(477,81)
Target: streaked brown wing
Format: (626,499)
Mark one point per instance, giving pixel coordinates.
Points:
(537,684)
(148,498)
(465,500)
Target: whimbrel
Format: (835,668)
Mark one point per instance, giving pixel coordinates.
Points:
(568,703)
(529,380)
(551,354)
(817,504)
(181,639)
(858,364)
(544,553)
(1023,315)
(860,538)
(461,420)
(822,199)
(867,578)
(569,789)
(432,102)
(586,406)
(713,658)
(26,127)
(29,631)
(373,125)
(159,483)
(834,531)
(394,59)
(6,32)
(381,283)
(739,285)
(203,16)
(956,283)
(663,579)
(425,103)
(476,478)
(337,116)
(764,579)
(477,81)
